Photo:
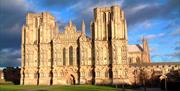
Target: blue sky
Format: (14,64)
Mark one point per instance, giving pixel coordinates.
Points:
(156,20)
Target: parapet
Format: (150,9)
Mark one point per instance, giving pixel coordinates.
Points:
(32,18)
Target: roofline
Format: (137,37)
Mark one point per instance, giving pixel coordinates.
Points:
(156,63)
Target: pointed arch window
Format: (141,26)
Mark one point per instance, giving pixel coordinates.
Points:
(98,74)
(61,74)
(90,74)
(82,74)
(138,60)
(71,55)
(35,75)
(55,73)
(115,74)
(42,74)
(107,73)
(130,60)
(64,56)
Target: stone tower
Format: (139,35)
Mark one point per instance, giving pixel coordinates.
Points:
(37,34)
(118,44)
(109,41)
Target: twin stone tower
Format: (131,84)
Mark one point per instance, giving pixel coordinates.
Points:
(51,57)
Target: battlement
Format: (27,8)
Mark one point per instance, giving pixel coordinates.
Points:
(34,18)
(107,9)
(114,12)
(39,26)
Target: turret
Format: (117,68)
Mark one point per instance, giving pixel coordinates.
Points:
(70,28)
(146,55)
(70,23)
(83,27)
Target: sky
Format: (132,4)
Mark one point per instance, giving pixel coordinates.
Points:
(156,20)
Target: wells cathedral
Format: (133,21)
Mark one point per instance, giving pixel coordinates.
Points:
(50,57)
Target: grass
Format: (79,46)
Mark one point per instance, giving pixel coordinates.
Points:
(57,88)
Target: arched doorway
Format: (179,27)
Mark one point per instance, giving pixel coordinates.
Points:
(71,80)
(163,82)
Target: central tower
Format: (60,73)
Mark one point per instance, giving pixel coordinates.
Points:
(109,41)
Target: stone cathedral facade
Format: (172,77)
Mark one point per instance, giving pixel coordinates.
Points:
(51,57)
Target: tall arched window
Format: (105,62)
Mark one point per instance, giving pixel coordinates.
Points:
(61,74)
(35,75)
(115,74)
(98,74)
(64,56)
(90,74)
(130,60)
(82,74)
(71,55)
(55,73)
(42,74)
(138,60)
(107,73)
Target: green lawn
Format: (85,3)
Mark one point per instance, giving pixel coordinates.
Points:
(57,88)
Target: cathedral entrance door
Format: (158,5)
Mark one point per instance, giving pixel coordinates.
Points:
(71,80)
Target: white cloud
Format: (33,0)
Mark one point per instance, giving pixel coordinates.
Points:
(174,55)
(135,9)
(10,57)
(176,32)
(104,4)
(153,36)
(75,6)
(153,49)
(139,7)
(147,24)
(14,4)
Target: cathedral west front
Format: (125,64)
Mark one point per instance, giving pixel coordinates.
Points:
(50,57)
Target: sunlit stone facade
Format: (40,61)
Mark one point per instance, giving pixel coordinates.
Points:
(51,57)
